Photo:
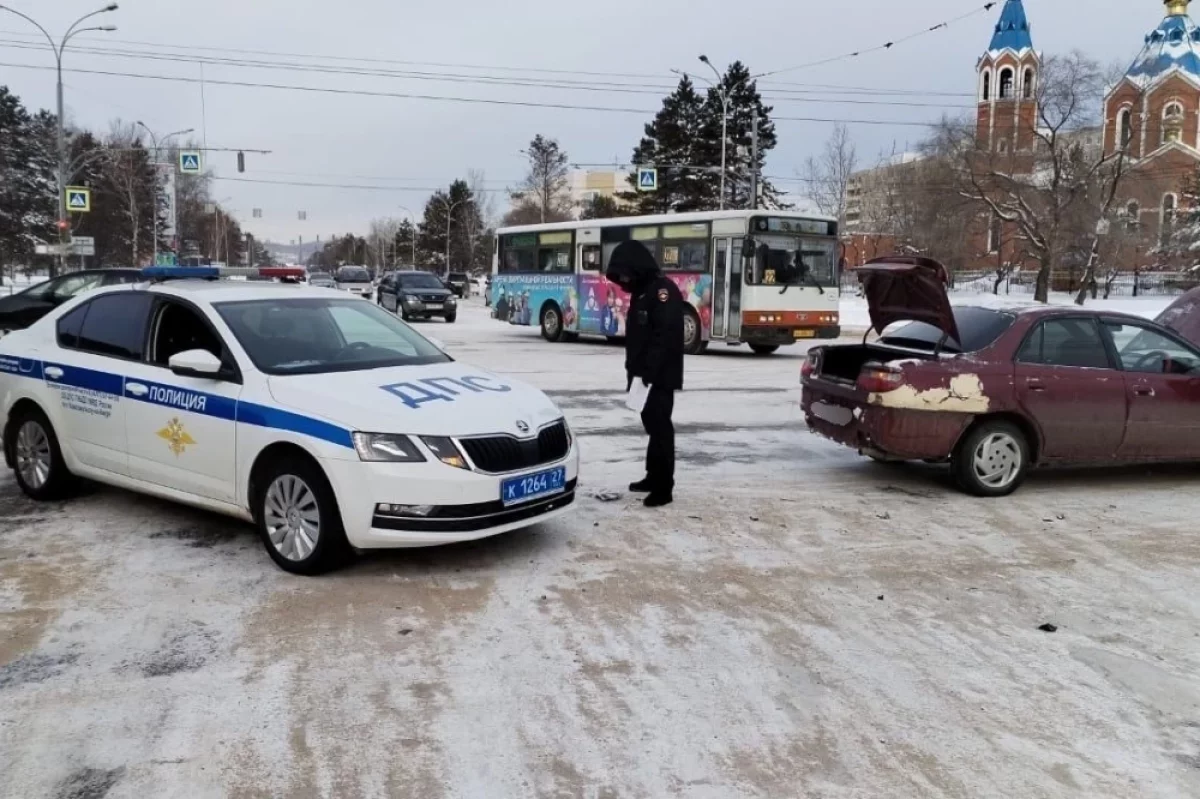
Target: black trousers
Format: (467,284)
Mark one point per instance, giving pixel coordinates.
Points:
(660,453)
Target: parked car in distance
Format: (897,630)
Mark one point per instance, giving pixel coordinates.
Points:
(417,295)
(23,309)
(996,392)
(459,283)
(322,280)
(354,279)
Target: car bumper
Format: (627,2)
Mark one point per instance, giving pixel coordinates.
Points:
(423,308)
(468,505)
(780,336)
(899,433)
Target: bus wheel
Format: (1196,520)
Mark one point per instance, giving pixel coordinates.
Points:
(764,349)
(552,326)
(693,337)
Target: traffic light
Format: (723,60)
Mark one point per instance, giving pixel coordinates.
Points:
(241,162)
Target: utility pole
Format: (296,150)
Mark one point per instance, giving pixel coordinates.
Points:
(754,163)
(61,176)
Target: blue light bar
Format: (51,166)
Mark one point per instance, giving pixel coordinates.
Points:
(181,272)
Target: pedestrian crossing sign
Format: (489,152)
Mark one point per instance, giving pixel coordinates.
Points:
(189,162)
(647,179)
(79,200)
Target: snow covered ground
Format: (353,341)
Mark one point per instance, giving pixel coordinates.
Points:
(855,318)
(801,623)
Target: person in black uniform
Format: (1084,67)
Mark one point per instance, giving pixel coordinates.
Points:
(654,355)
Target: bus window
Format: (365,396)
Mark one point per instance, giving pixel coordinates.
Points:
(590,258)
(518,253)
(554,260)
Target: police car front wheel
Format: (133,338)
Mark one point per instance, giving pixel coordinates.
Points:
(298,519)
(37,458)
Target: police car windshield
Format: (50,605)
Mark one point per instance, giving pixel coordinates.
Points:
(319,335)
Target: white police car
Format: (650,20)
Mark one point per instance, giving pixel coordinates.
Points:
(325,420)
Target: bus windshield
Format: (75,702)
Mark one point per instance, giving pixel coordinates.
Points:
(782,260)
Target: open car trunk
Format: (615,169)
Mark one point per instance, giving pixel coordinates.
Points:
(844,363)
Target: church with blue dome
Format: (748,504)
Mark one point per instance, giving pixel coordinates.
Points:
(1154,113)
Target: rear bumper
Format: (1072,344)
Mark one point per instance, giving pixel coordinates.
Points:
(779,336)
(899,433)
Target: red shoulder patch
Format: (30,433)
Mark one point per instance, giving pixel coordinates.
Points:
(663,295)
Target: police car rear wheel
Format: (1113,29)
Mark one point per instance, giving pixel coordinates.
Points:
(298,519)
(40,469)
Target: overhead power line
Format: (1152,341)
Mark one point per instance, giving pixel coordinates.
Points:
(774,95)
(431,97)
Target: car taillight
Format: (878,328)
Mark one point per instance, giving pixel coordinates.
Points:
(809,367)
(880,379)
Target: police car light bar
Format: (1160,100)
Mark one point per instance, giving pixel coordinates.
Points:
(217,272)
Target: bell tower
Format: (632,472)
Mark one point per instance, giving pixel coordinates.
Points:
(1007,87)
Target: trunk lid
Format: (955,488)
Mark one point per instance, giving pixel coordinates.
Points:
(907,289)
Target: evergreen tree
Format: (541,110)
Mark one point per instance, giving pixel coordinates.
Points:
(601,207)
(406,235)
(28,204)
(672,144)
(744,98)
(465,226)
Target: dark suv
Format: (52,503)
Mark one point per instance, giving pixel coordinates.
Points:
(21,310)
(417,295)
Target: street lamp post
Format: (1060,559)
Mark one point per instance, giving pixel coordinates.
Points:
(723,91)
(156,141)
(413,217)
(449,220)
(61,173)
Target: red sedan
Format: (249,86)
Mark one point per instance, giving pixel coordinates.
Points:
(996,392)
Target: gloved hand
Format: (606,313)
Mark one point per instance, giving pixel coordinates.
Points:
(646,382)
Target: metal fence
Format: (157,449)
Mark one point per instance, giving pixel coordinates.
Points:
(1123,284)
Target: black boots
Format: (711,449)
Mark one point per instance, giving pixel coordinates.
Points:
(643,486)
(658,498)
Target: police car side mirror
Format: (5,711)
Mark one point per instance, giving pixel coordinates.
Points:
(195,363)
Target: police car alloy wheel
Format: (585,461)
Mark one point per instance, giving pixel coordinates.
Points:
(298,518)
(39,467)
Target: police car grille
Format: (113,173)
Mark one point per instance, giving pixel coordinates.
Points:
(508,454)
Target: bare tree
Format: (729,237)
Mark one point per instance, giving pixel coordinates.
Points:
(829,175)
(381,238)
(1055,193)
(545,187)
(127,177)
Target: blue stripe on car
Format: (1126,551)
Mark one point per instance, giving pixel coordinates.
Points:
(168,396)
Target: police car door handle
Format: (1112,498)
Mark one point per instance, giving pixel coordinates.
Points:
(53,372)
(137,389)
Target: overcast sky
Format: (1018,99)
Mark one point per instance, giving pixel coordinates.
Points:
(408,145)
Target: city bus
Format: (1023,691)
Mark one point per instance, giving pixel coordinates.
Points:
(762,278)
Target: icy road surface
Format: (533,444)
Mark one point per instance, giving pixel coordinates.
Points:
(801,623)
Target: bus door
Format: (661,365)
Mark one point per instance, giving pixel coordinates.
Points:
(720,290)
(733,331)
(589,282)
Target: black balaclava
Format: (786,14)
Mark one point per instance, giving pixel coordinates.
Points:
(632,267)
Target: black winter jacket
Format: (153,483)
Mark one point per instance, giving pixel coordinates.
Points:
(654,326)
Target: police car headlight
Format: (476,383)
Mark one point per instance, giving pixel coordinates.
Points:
(386,447)
(445,451)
